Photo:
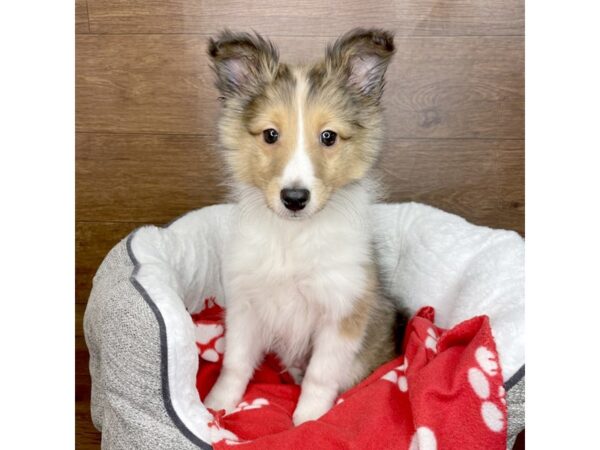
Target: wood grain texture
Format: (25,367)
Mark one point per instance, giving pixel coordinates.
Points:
(146,114)
(511,189)
(87,437)
(93,240)
(145,178)
(460,87)
(79,312)
(309,17)
(81,17)
(480,180)
(152,179)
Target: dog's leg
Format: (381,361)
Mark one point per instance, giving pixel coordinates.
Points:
(331,368)
(243,350)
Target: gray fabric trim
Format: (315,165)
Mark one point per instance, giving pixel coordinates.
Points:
(515,378)
(163,352)
(515,404)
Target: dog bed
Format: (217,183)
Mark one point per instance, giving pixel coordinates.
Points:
(145,331)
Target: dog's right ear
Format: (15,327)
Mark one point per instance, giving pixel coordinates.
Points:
(242,62)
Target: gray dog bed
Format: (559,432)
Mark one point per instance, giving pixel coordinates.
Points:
(143,357)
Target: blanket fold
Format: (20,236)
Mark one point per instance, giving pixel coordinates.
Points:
(445,391)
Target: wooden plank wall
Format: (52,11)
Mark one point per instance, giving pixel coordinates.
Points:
(146,111)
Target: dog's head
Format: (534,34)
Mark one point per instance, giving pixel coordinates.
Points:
(299,133)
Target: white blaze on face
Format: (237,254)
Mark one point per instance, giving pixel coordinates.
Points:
(299,172)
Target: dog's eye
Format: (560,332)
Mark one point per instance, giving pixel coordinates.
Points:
(328,138)
(271,135)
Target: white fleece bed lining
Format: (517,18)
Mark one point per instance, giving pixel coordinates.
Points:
(195,431)
(179,265)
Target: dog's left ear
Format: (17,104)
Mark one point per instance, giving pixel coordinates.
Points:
(361,57)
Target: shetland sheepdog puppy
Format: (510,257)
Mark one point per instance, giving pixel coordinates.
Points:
(299,272)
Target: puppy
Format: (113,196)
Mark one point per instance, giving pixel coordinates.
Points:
(299,273)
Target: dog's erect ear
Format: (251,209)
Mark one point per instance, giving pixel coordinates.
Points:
(362,57)
(242,62)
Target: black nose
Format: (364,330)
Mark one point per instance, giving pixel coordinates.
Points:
(295,199)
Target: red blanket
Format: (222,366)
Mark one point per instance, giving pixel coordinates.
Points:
(445,392)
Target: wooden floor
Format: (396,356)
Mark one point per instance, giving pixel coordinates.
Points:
(146,109)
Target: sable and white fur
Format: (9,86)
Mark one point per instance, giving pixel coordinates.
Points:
(302,283)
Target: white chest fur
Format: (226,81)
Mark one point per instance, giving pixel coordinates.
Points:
(290,276)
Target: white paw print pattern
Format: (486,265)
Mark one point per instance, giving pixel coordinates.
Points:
(423,439)
(398,376)
(230,442)
(205,333)
(432,340)
(492,416)
(486,360)
(257,403)
(502,394)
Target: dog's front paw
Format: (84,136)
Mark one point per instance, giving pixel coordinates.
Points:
(309,409)
(220,398)
(216,404)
